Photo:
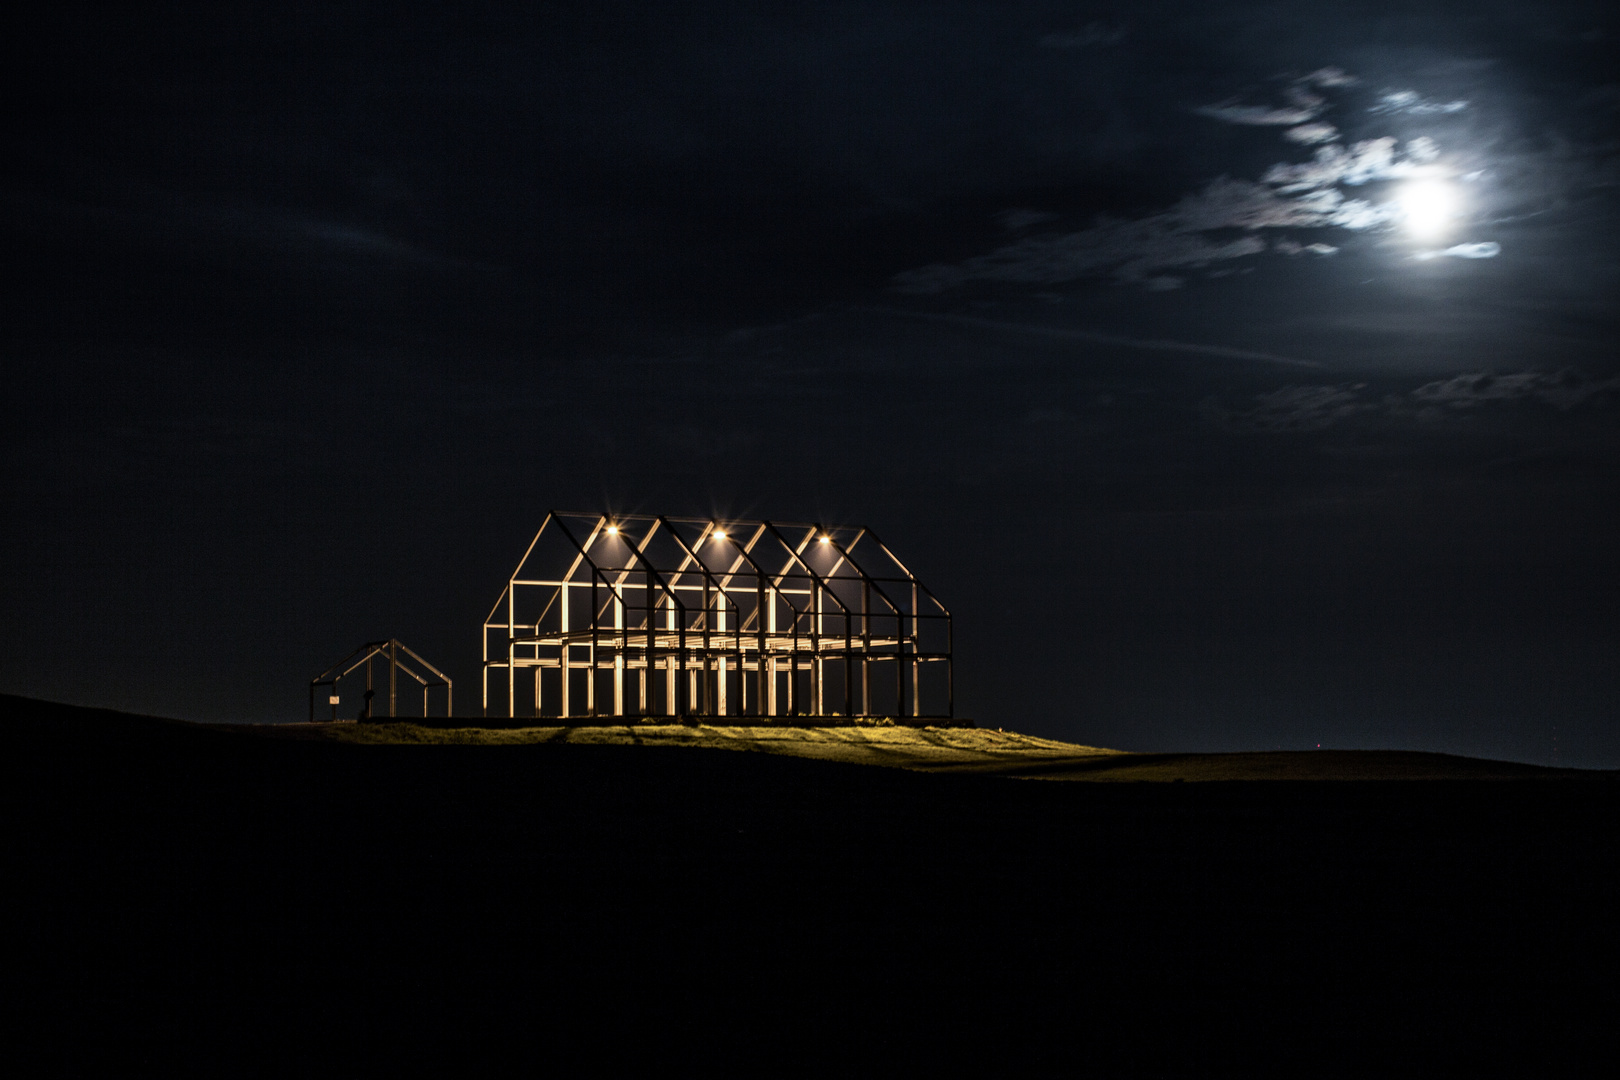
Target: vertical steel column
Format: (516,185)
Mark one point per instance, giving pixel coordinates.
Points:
(618,654)
(916,644)
(683,684)
(770,692)
(705,679)
(866,648)
(511,647)
(899,665)
(815,648)
(563,657)
(596,608)
(849,664)
(759,667)
(646,655)
(393,678)
(671,701)
(720,660)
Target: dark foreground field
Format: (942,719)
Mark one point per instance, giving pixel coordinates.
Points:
(206,899)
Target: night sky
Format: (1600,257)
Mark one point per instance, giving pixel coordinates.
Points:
(1243,376)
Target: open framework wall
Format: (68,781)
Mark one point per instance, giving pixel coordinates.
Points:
(637,615)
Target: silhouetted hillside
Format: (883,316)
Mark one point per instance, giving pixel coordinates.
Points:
(187,896)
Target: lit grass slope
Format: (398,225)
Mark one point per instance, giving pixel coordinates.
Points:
(958,750)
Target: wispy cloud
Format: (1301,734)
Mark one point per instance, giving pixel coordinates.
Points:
(1409,102)
(1486,250)
(1091,35)
(1293,408)
(1092,337)
(1195,233)
(1311,134)
(1259,115)
(1560,389)
(1315,408)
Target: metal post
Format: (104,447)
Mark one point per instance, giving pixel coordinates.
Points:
(669,662)
(771,684)
(849,665)
(759,667)
(916,695)
(720,660)
(393,678)
(618,655)
(563,657)
(646,655)
(815,660)
(590,687)
(704,681)
(866,648)
(900,666)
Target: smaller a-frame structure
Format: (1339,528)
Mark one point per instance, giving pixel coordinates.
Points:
(389,652)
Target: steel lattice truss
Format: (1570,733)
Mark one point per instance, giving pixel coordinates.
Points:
(635,615)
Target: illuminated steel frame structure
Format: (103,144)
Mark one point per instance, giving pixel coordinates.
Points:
(653,616)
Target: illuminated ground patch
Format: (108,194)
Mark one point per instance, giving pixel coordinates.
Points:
(966,751)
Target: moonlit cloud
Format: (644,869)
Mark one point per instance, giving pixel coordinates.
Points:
(1366,161)
(1194,234)
(1488,249)
(1157,345)
(1561,389)
(1258,115)
(1290,247)
(1293,408)
(1132,251)
(1317,407)
(1408,102)
(1311,134)
(1091,35)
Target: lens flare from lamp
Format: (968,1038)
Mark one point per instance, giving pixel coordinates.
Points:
(1428,207)
(613,530)
(718,535)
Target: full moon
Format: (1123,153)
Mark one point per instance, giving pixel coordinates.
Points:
(1428,207)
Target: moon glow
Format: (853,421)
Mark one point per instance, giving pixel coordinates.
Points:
(1428,207)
